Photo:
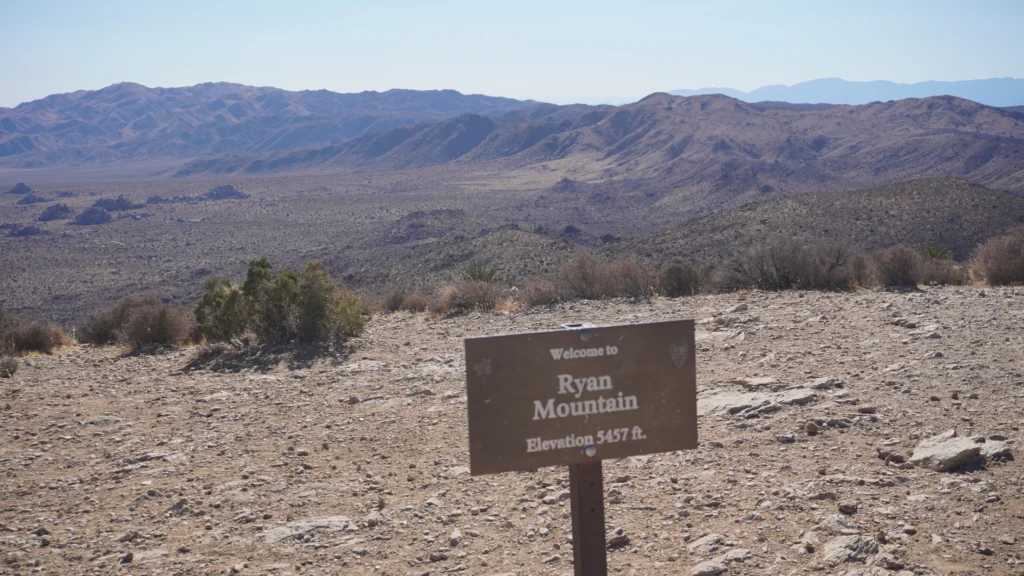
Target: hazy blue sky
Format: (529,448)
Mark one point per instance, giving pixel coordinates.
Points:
(558,51)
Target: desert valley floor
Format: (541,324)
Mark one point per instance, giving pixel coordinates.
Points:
(185,464)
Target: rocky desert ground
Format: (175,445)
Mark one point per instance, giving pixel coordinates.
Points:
(818,417)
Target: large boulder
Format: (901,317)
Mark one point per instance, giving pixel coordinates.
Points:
(20,188)
(93,216)
(946,451)
(852,548)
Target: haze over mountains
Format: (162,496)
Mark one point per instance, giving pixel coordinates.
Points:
(131,122)
(706,148)
(992,92)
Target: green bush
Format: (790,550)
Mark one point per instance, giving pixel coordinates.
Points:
(221,311)
(478,271)
(308,306)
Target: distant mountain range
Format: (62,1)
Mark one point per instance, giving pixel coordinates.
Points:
(131,122)
(710,150)
(992,92)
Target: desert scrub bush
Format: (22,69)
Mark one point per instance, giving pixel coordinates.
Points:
(308,306)
(393,301)
(156,324)
(35,337)
(477,270)
(103,327)
(414,303)
(538,292)
(898,266)
(221,311)
(679,278)
(467,296)
(19,337)
(1000,260)
(8,366)
(582,277)
(628,278)
(326,312)
(786,264)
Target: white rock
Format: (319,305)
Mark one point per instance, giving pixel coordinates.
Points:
(852,548)
(292,529)
(946,451)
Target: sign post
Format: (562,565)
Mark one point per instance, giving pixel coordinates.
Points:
(575,397)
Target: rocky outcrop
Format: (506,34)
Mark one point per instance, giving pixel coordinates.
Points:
(56,212)
(92,217)
(20,188)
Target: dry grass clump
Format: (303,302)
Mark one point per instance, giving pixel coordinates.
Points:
(414,303)
(19,337)
(467,296)
(538,292)
(1001,259)
(940,272)
(8,366)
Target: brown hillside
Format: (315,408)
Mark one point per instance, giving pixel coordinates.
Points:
(705,149)
(948,211)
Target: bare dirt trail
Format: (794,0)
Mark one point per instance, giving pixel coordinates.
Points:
(359,465)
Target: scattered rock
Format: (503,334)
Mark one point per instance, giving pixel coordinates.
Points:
(945,452)
(852,548)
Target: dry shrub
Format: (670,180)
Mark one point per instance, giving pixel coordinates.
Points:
(157,324)
(860,271)
(628,278)
(466,297)
(103,327)
(8,366)
(898,266)
(17,336)
(441,305)
(414,303)
(679,279)
(538,292)
(786,264)
(937,272)
(587,277)
(393,301)
(1001,259)
(581,278)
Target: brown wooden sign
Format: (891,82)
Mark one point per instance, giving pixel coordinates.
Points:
(577,396)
